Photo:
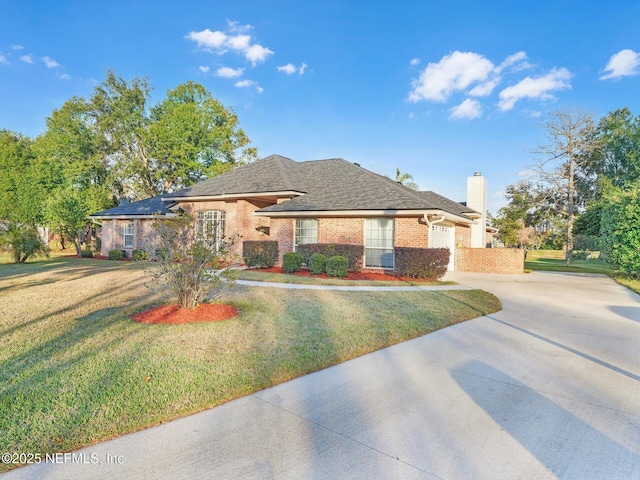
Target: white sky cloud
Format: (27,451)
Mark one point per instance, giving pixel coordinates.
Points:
(220,42)
(17,47)
(485,88)
(290,68)
(257,53)
(249,83)
(235,27)
(467,110)
(50,62)
(3,59)
(239,42)
(622,64)
(65,76)
(519,59)
(204,68)
(414,62)
(453,72)
(208,39)
(228,72)
(27,58)
(539,87)
(460,71)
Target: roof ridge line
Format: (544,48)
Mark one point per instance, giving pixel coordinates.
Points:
(397,185)
(283,173)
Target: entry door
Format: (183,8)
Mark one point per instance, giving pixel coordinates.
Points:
(442,236)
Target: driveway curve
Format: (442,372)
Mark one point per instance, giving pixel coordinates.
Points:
(547,388)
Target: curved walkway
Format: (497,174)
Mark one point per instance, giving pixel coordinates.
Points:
(547,388)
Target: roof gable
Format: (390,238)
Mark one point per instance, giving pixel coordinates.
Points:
(321,185)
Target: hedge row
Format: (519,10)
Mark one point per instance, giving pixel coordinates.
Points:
(353,253)
(428,263)
(260,253)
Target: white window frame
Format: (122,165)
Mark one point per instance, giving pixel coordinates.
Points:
(368,240)
(212,221)
(301,236)
(128,233)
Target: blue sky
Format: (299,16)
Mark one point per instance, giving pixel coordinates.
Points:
(437,89)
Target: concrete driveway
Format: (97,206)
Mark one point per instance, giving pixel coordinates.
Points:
(547,388)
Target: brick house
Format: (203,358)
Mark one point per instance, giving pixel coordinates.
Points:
(320,201)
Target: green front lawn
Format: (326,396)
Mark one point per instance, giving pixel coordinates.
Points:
(553,261)
(74,368)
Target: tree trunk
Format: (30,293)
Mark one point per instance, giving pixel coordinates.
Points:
(570,206)
(76,242)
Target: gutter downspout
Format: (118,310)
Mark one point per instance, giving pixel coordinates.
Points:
(430,223)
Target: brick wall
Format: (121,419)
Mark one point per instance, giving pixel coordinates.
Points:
(411,232)
(281,230)
(489,260)
(240,223)
(341,230)
(463,236)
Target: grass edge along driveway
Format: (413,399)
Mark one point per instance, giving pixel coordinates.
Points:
(75,370)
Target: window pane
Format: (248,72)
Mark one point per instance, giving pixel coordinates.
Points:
(379,242)
(306,231)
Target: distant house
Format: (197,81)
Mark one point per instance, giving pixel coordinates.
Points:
(319,201)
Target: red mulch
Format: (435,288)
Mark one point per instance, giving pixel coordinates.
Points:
(207,312)
(372,276)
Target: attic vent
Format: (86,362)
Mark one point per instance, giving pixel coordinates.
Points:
(356,164)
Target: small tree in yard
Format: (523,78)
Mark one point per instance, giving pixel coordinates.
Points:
(23,241)
(190,264)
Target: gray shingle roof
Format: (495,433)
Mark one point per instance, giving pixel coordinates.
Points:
(150,206)
(448,205)
(325,185)
(270,174)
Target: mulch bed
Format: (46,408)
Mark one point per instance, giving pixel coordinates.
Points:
(173,314)
(371,276)
(101,257)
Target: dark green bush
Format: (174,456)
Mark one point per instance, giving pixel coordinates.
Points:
(260,253)
(291,262)
(86,253)
(430,263)
(139,255)
(116,254)
(317,263)
(161,253)
(337,266)
(353,253)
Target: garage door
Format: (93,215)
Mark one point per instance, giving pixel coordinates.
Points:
(442,236)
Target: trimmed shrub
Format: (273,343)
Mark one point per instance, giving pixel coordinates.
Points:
(337,266)
(86,253)
(353,253)
(430,263)
(161,253)
(291,262)
(317,263)
(116,254)
(139,255)
(260,253)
